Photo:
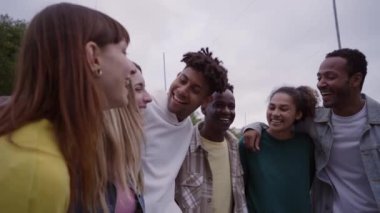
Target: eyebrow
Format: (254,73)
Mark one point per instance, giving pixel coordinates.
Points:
(281,105)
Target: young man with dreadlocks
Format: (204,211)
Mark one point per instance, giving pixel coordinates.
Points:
(168,128)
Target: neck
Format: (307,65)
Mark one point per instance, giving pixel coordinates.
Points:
(181,117)
(351,108)
(210,134)
(280,135)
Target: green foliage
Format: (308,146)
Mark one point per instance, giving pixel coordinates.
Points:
(195,117)
(11,32)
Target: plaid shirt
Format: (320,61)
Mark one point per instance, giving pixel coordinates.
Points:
(194,181)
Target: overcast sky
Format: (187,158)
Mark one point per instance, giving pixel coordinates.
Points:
(264,44)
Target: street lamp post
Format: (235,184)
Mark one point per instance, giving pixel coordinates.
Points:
(337,25)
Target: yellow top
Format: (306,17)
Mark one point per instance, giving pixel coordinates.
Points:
(33,173)
(218,158)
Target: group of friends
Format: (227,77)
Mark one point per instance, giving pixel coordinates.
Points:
(80,133)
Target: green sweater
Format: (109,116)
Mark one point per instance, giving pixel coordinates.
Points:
(277,178)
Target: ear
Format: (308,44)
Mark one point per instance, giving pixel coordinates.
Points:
(356,79)
(92,56)
(204,104)
(299,115)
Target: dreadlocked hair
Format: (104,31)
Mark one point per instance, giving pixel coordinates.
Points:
(211,68)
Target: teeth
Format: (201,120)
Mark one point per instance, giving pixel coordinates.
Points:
(325,93)
(275,122)
(178,100)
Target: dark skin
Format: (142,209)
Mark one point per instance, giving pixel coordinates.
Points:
(219,113)
(340,91)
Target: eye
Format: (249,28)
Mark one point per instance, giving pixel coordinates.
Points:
(284,108)
(330,76)
(196,90)
(139,88)
(182,79)
(231,107)
(218,105)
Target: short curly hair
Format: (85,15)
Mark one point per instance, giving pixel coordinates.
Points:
(356,61)
(305,99)
(211,68)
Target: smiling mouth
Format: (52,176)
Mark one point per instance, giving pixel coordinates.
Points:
(325,93)
(275,122)
(174,97)
(224,119)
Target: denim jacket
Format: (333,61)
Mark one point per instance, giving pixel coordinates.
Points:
(322,190)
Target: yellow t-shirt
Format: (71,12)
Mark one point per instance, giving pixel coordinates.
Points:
(33,173)
(218,159)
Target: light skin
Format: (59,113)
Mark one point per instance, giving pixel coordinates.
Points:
(187,92)
(281,115)
(219,114)
(339,90)
(138,83)
(111,70)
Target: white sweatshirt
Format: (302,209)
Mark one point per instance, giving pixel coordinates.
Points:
(166,144)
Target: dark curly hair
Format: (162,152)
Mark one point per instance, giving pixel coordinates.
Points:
(211,68)
(230,87)
(305,99)
(356,61)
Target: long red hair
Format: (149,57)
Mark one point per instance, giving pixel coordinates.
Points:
(54,81)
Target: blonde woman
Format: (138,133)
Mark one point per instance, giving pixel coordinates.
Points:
(124,132)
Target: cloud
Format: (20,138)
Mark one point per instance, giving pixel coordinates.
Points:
(263,44)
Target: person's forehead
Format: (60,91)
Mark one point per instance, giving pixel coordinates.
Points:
(333,64)
(224,96)
(195,78)
(281,98)
(136,75)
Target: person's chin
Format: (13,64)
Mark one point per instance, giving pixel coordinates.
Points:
(171,107)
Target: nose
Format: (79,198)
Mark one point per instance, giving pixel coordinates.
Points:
(276,112)
(321,83)
(147,98)
(225,110)
(182,91)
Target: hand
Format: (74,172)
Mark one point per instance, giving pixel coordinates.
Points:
(252,140)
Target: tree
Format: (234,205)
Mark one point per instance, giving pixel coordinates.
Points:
(11,32)
(195,117)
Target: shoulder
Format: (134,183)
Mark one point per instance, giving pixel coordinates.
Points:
(33,170)
(373,109)
(38,136)
(322,114)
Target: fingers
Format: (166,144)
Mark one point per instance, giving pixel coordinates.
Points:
(250,137)
(257,142)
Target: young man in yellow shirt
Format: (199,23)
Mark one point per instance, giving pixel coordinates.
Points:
(211,176)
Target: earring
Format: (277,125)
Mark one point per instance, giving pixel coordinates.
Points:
(99,72)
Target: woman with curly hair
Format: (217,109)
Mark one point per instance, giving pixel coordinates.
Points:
(279,176)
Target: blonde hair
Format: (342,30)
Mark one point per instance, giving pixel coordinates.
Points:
(124,135)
